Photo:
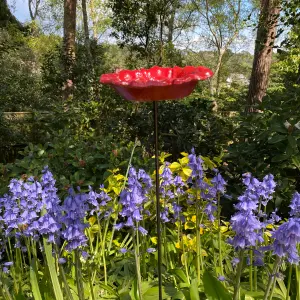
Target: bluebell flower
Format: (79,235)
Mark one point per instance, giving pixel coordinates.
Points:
(210,210)
(164,215)
(295,205)
(98,201)
(142,230)
(179,185)
(177,210)
(219,183)
(287,237)
(50,222)
(195,163)
(84,255)
(123,250)
(235,261)
(5,266)
(244,222)
(167,182)
(133,198)
(221,278)
(166,176)
(62,260)
(274,218)
(75,208)
(247,230)
(151,250)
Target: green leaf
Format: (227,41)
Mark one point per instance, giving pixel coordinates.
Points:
(34,280)
(194,293)
(214,289)
(152,294)
(279,127)
(179,274)
(276,138)
(52,270)
(107,288)
(253,295)
(280,157)
(296,161)
(292,141)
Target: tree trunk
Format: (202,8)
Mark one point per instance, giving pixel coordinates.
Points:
(215,81)
(86,32)
(266,34)
(69,44)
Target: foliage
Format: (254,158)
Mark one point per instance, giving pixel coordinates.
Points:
(269,142)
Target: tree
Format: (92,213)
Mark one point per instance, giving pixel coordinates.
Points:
(147,26)
(33,6)
(69,44)
(100,15)
(266,34)
(6,17)
(220,25)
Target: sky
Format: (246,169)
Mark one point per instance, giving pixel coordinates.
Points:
(20,9)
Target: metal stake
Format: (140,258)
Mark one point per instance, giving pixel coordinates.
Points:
(158,220)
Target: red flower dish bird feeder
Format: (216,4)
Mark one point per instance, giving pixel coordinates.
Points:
(156,83)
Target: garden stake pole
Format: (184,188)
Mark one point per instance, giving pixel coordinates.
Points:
(159,262)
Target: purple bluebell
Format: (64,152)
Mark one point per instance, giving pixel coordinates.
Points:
(235,261)
(295,205)
(98,201)
(151,250)
(219,183)
(195,163)
(287,236)
(177,210)
(142,230)
(167,182)
(210,209)
(244,222)
(5,266)
(50,222)
(62,260)
(179,185)
(133,198)
(166,176)
(74,207)
(247,230)
(164,215)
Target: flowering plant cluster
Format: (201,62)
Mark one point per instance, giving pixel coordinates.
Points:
(32,209)
(119,221)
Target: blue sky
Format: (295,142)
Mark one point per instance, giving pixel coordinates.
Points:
(20,9)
